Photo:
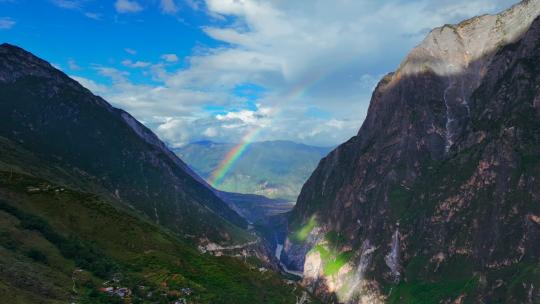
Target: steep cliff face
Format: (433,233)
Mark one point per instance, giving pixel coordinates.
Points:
(436,198)
(52,127)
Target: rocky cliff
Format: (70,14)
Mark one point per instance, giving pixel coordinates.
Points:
(436,200)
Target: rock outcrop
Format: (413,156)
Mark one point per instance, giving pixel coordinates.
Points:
(436,197)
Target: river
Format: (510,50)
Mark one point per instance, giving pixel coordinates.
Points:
(279,250)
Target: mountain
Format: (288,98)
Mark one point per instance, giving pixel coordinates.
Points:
(53,128)
(59,245)
(436,199)
(95,209)
(275,169)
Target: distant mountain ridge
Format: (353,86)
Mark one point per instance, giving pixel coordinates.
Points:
(275,169)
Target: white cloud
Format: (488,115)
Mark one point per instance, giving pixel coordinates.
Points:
(172,129)
(168,6)
(333,52)
(117,76)
(210,132)
(77,5)
(169,57)
(68,4)
(130,51)
(135,64)
(72,65)
(94,16)
(319,54)
(96,88)
(195,5)
(257,118)
(6,23)
(127,6)
(334,123)
(148,101)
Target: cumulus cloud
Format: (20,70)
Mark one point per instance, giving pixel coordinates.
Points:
(130,51)
(135,64)
(173,130)
(72,65)
(280,43)
(320,54)
(258,118)
(194,4)
(117,76)
(169,57)
(145,101)
(6,23)
(77,5)
(94,16)
(210,132)
(127,6)
(96,88)
(68,4)
(168,6)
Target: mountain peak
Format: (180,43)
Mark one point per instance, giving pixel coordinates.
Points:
(450,49)
(52,115)
(16,63)
(6,47)
(457,57)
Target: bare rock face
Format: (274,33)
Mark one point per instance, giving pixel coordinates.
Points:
(392,259)
(442,178)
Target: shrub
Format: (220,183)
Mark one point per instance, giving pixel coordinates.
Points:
(37,256)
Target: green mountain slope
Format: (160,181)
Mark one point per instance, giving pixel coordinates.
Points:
(64,133)
(59,245)
(276,169)
(95,209)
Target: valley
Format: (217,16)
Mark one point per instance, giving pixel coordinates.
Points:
(68,245)
(74,223)
(275,169)
(434,200)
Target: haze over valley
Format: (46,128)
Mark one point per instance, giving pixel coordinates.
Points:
(275,169)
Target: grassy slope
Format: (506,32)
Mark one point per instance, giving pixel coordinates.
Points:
(18,159)
(74,138)
(36,263)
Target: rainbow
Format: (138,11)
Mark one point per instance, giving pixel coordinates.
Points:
(236,152)
(232,156)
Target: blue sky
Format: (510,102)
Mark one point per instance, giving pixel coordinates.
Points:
(95,33)
(215,69)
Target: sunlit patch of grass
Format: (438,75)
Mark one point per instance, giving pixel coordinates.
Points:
(331,258)
(332,266)
(301,234)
